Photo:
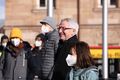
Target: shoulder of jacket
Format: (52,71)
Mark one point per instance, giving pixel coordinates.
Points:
(91,71)
(88,70)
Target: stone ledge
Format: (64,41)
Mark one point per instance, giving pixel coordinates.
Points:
(23,27)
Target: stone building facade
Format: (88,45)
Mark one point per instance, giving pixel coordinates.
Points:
(26,14)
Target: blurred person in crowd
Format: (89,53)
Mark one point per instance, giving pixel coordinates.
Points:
(27,46)
(4,41)
(68,30)
(15,62)
(49,29)
(35,58)
(81,63)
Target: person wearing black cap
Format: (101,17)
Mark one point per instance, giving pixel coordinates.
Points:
(49,29)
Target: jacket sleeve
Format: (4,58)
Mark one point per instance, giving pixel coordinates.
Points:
(48,58)
(56,46)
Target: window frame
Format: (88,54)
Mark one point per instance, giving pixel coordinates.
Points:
(46,3)
(40,7)
(109,4)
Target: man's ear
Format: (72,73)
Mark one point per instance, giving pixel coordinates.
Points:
(74,31)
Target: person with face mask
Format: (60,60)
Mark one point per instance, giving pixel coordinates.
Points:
(81,63)
(4,41)
(49,29)
(15,62)
(35,58)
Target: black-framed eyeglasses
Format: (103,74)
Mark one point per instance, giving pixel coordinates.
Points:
(63,29)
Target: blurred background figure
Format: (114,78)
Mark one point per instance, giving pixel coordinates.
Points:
(4,41)
(35,59)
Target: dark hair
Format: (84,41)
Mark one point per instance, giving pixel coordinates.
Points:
(42,36)
(4,37)
(84,58)
(27,45)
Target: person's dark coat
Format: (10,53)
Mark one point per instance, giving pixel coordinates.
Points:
(2,55)
(15,63)
(60,67)
(50,49)
(34,63)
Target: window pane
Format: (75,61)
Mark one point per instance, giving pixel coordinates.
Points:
(54,3)
(101,2)
(113,2)
(42,3)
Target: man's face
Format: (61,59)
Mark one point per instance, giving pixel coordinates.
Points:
(65,31)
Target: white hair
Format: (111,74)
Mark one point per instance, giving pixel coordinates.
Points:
(72,24)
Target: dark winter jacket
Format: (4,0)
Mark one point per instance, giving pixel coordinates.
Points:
(34,63)
(15,65)
(50,49)
(2,55)
(60,67)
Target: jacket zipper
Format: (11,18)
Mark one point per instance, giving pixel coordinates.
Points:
(14,68)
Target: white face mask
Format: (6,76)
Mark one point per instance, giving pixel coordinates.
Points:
(44,29)
(71,60)
(15,42)
(38,43)
(4,44)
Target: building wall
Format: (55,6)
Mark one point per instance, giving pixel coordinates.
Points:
(91,23)
(21,13)
(24,14)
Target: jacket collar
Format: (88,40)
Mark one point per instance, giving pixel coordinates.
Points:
(71,40)
(48,35)
(74,38)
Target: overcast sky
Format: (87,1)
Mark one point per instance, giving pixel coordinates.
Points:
(2,9)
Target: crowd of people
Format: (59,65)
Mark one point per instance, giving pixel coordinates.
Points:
(57,55)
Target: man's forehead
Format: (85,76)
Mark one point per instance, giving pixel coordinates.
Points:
(64,24)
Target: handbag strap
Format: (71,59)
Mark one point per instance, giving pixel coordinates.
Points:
(49,77)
